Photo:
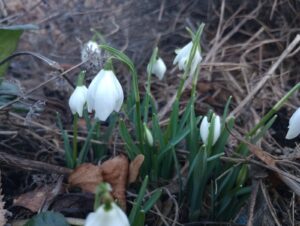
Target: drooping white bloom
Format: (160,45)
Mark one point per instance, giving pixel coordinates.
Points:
(159,68)
(105,95)
(112,217)
(182,58)
(294,125)
(204,129)
(78,99)
(91,51)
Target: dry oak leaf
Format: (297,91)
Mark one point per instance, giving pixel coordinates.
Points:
(34,200)
(115,172)
(87,177)
(134,168)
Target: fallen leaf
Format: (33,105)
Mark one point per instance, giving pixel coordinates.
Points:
(115,172)
(36,199)
(87,177)
(134,168)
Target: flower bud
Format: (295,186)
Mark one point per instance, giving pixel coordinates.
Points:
(148,135)
(77,100)
(205,128)
(159,68)
(294,125)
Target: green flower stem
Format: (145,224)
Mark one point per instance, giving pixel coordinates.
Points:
(274,109)
(148,87)
(123,58)
(195,48)
(75,134)
(80,79)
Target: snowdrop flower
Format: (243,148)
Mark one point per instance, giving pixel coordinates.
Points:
(182,58)
(204,129)
(105,94)
(159,68)
(78,99)
(91,52)
(148,135)
(294,125)
(108,217)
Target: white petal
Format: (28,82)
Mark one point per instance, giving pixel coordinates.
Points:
(120,98)
(183,53)
(78,99)
(217,129)
(159,68)
(204,129)
(113,217)
(109,96)
(92,220)
(197,59)
(182,63)
(294,125)
(92,91)
(183,56)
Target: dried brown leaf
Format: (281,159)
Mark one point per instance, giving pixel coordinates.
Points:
(115,172)
(32,200)
(87,177)
(134,168)
(36,199)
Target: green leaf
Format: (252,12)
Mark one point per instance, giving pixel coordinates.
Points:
(152,200)
(140,219)
(8,44)
(132,149)
(85,148)
(137,204)
(47,219)
(179,137)
(68,150)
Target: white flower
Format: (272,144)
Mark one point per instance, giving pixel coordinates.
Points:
(78,99)
(159,68)
(102,217)
(91,51)
(204,129)
(105,95)
(294,125)
(182,58)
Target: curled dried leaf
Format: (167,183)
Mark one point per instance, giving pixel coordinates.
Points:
(87,177)
(40,197)
(115,172)
(134,168)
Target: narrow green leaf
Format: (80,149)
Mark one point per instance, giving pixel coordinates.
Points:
(8,43)
(68,149)
(140,219)
(178,138)
(263,130)
(132,148)
(137,204)
(152,200)
(85,148)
